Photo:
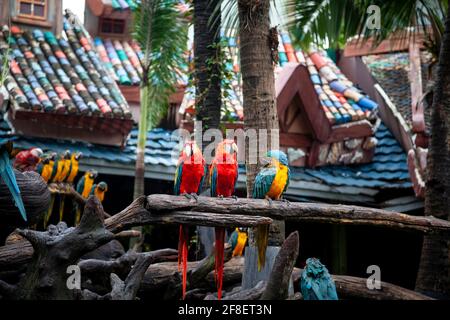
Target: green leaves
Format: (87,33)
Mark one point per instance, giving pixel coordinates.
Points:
(329,23)
(162,32)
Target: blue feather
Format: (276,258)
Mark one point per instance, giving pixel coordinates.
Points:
(8,176)
(177,182)
(263,182)
(213,181)
(316,282)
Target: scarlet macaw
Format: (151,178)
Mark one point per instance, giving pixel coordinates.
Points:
(9,178)
(84,187)
(316,282)
(223,178)
(189,175)
(27,160)
(270,183)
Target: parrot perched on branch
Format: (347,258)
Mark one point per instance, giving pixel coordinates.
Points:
(27,160)
(99,190)
(8,176)
(270,183)
(238,239)
(74,160)
(316,282)
(84,187)
(62,177)
(189,175)
(223,177)
(45,167)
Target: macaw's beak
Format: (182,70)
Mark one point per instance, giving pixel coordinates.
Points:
(266,161)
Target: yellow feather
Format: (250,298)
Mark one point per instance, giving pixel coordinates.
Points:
(279,182)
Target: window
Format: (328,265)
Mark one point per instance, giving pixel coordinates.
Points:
(36,9)
(112,26)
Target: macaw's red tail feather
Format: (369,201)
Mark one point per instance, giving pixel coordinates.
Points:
(219,244)
(183,255)
(262,239)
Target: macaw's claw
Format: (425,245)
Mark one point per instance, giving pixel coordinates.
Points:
(220,196)
(235,197)
(285,201)
(270,201)
(187,195)
(195,196)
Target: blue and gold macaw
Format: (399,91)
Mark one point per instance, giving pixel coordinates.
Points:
(238,239)
(270,183)
(74,160)
(99,190)
(62,177)
(84,187)
(9,178)
(45,167)
(316,282)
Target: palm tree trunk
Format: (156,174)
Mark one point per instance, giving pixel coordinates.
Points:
(257,77)
(139,178)
(434,273)
(207,75)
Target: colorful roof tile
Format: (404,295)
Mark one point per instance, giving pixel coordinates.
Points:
(60,74)
(341,101)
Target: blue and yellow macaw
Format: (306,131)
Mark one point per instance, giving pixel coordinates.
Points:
(74,160)
(238,239)
(316,282)
(270,183)
(84,187)
(45,167)
(99,190)
(9,178)
(62,177)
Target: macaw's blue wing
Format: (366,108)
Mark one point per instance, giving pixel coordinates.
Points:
(263,182)
(233,240)
(92,192)
(9,178)
(80,184)
(177,180)
(213,180)
(288,180)
(200,186)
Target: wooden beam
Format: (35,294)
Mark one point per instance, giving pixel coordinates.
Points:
(297,211)
(295,140)
(357,129)
(415,76)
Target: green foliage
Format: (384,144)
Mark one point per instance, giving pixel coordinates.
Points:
(329,23)
(4,63)
(162,32)
(222,67)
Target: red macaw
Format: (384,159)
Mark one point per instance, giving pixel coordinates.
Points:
(189,175)
(27,160)
(223,178)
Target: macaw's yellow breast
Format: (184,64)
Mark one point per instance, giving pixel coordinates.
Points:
(47,171)
(73,172)
(279,183)
(240,245)
(99,194)
(88,183)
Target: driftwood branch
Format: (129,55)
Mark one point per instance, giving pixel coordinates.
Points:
(297,211)
(137,213)
(278,285)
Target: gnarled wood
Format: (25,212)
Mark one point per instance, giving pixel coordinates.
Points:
(298,211)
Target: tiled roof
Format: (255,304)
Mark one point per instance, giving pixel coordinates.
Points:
(392,73)
(122,58)
(342,102)
(388,168)
(60,74)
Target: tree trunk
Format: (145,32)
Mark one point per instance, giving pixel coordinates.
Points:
(258,81)
(433,277)
(208,98)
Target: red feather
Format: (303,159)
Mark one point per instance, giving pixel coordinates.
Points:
(182,259)
(219,244)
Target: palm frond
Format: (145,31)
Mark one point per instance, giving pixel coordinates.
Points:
(162,32)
